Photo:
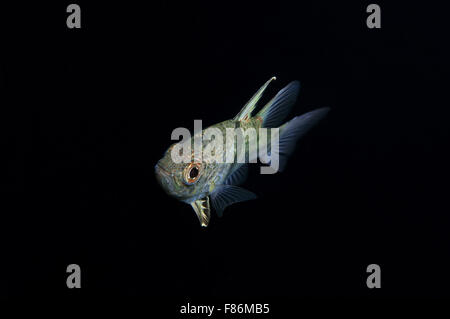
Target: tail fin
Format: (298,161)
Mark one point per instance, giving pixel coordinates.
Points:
(276,110)
(293,130)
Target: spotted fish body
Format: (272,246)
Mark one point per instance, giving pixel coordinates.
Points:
(202,182)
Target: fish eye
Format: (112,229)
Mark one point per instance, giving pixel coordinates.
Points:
(192,173)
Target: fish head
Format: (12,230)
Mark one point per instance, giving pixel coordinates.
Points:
(180,180)
(186,182)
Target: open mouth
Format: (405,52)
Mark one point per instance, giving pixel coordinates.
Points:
(202,209)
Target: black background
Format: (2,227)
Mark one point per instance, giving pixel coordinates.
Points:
(86,113)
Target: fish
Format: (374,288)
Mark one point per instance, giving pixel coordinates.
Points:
(203,183)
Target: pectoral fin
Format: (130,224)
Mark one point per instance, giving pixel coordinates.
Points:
(202,209)
(225,195)
(238,176)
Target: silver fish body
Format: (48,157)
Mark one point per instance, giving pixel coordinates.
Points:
(200,180)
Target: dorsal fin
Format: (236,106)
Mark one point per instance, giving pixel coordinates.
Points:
(274,112)
(251,104)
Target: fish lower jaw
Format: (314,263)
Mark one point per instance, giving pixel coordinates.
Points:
(202,210)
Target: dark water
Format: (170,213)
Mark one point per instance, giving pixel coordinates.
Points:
(87,113)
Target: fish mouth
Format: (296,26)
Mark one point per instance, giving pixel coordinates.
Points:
(164,178)
(202,209)
(162,170)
